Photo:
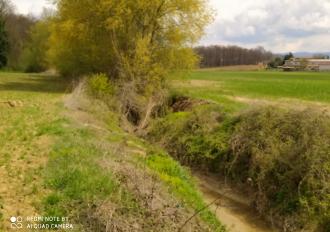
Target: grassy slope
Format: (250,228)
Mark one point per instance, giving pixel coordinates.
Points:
(23,150)
(52,164)
(221,86)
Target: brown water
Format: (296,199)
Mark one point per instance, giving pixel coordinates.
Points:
(232,209)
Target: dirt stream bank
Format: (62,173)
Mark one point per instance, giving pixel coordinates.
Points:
(232,209)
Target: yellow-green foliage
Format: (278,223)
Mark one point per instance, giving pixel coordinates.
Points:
(100,86)
(133,38)
(286,155)
(34,57)
(282,155)
(199,138)
(135,42)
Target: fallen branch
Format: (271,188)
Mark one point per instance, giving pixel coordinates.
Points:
(12,103)
(196,213)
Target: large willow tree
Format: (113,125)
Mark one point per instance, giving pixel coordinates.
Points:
(136,42)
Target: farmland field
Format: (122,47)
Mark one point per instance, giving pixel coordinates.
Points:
(235,88)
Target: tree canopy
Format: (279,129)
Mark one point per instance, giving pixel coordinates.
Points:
(34,55)
(288,56)
(137,43)
(114,35)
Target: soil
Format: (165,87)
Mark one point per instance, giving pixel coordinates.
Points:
(186,104)
(284,103)
(195,83)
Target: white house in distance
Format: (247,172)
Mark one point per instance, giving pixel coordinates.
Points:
(320,64)
(296,64)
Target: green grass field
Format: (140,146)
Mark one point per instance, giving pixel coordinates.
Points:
(23,148)
(227,86)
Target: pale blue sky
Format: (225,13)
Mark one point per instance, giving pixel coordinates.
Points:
(278,25)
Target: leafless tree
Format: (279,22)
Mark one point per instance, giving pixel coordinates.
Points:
(217,56)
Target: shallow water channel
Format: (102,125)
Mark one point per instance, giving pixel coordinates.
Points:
(231,208)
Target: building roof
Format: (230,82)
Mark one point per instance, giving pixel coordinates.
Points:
(319,61)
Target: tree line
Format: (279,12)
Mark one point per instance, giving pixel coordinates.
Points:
(218,56)
(15,34)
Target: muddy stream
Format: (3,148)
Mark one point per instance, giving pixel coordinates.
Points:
(231,208)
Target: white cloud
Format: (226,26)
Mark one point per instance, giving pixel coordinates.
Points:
(34,7)
(278,25)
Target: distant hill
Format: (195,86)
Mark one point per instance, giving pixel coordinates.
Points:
(307,54)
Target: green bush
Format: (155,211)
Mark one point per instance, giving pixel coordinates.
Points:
(286,154)
(198,138)
(282,156)
(100,86)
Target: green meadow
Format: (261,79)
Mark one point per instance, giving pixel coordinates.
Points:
(233,88)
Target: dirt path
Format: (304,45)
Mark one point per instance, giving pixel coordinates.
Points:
(285,103)
(231,208)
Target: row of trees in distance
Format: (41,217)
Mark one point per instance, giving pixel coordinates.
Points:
(18,39)
(217,56)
